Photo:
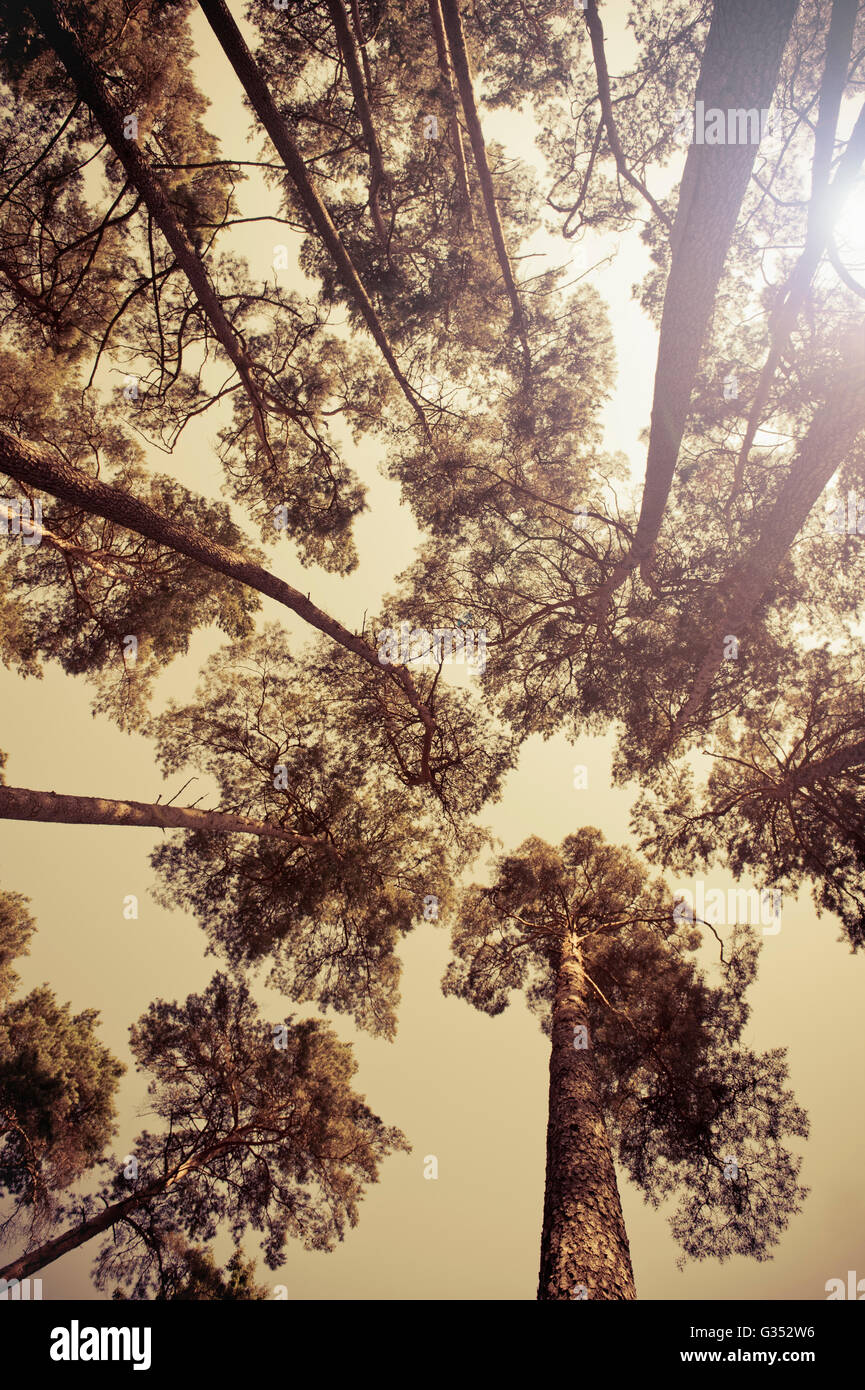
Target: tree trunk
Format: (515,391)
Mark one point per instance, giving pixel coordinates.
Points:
(584,1246)
(237,53)
(19,803)
(462,68)
(826,205)
(31,464)
(361,43)
(76,1236)
(351,57)
(831,435)
(596,35)
(740,67)
(447,76)
(820,770)
(90,85)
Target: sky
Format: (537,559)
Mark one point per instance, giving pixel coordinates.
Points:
(467,1089)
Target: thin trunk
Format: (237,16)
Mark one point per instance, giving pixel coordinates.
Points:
(351,58)
(830,437)
(459,54)
(95,560)
(584,1246)
(232,43)
(446,73)
(31,464)
(52,17)
(20,803)
(839,46)
(740,67)
(77,1236)
(825,208)
(361,43)
(596,35)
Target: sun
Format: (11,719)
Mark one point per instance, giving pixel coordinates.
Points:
(849,230)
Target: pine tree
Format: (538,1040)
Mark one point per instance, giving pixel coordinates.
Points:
(57,1084)
(261,1129)
(647,1064)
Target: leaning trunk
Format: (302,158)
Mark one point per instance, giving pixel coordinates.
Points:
(740,68)
(823,770)
(462,67)
(447,80)
(76,1236)
(34,465)
(831,435)
(91,87)
(265,108)
(351,57)
(21,803)
(584,1245)
(116,1212)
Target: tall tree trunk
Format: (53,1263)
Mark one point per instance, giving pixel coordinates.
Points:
(740,67)
(237,53)
(351,57)
(584,1246)
(361,43)
(830,437)
(446,73)
(20,803)
(48,472)
(52,17)
(459,54)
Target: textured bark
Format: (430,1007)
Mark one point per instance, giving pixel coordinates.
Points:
(740,68)
(31,464)
(52,17)
(20,803)
(830,437)
(584,1241)
(237,53)
(459,54)
(446,73)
